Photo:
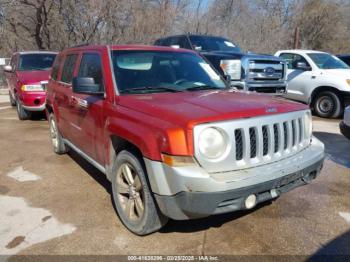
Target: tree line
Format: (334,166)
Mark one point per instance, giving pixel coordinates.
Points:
(257,25)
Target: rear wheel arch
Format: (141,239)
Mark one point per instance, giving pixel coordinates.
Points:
(327,101)
(49,109)
(320,89)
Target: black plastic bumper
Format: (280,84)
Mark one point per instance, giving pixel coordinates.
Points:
(346,98)
(189,205)
(345,129)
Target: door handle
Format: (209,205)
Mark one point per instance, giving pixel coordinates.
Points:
(80,102)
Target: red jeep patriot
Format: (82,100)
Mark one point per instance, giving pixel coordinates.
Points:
(27,75)
(174,140)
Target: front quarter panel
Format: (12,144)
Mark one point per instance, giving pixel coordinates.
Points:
(151,135)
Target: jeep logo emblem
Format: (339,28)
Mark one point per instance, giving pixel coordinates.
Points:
(271,110)
(269,71)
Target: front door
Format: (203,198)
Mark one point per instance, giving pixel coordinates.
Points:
(298,80)
(86,111)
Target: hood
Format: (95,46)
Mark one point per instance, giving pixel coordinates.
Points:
(343,73)
(187,109)
(33,77)
(235,55)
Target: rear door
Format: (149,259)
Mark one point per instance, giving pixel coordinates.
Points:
(87,110)
(63,92)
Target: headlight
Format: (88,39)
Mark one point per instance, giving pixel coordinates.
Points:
(212,143)
(348,81)
(308,124)
(231,68)
(32,88)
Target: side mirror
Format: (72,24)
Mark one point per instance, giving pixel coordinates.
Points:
(8,69)
(198,48)
(86,85)
(227,78)
(302,66)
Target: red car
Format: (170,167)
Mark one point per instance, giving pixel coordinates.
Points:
(27,76)
(172,137)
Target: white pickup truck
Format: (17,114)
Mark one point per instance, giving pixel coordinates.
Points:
(318,79)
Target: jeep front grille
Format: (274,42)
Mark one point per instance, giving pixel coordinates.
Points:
(274,138)
(258,141)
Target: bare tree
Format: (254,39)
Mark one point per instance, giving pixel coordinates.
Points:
(257,25)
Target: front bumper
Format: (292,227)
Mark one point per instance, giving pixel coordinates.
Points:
(346,98)
(34,108)
(190,192)
(33,101)
(345,129)
(275,87)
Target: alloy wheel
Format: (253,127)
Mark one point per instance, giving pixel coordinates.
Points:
(130,192)
(53,133)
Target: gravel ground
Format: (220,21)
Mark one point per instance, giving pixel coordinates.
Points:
(61,205)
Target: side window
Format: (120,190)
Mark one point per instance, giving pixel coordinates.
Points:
(293,59)
(90,66)
(56,67)
(288,58)
(184,43)
(159,42)
(347,60)
(175,41)
(166,42)
(68,68)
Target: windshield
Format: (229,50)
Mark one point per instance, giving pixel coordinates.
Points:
(28,62)
(210,43)
(327,61)
(158,71)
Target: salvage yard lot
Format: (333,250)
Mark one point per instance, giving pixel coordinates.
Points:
(52,204)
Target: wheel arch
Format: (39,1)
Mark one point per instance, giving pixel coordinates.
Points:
(116,145)
(320,89)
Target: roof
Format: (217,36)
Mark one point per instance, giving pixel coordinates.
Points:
(35,52)
(190,34)
(344,55)
(131,47)
(300,51)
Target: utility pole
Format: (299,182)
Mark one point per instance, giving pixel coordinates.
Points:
(296,38)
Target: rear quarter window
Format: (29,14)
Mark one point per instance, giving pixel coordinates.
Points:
(68,68)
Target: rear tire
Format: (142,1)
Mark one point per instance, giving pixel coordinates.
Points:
(21,112)
(133,199)
(57,141)
(12,101)
(328,105)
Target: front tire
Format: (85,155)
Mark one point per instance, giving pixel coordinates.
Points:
(328,105)
(132,197)
(21,112)
(57,141)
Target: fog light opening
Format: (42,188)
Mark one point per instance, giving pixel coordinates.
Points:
(309,177)
(250,201)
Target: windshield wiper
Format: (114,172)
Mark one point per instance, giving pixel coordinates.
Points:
(151,88)
(202,87)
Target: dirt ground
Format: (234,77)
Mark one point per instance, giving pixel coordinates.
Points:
(61,205)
